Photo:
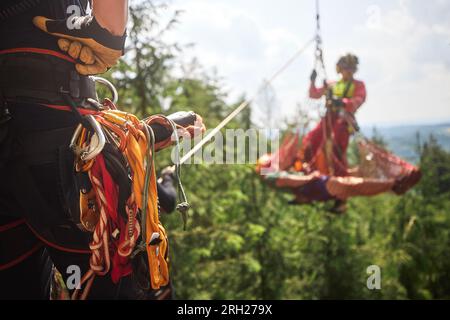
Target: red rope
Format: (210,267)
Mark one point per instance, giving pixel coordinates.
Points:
(56,246)
(67,108)
(11,225)
(106,192)
(21,258)
(38,51)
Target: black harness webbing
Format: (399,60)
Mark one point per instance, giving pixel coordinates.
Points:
(40,78)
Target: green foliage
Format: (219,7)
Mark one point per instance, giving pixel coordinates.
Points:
(244,241)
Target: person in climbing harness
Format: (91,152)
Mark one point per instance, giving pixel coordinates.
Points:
(326,145)
(91,217)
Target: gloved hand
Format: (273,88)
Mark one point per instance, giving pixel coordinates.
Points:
(189,124)
(190,121)
(313,76)
(168,171)
(86,41)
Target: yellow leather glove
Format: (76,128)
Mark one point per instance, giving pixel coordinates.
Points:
(86,41)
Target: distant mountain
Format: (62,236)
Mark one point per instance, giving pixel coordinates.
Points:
(402,140)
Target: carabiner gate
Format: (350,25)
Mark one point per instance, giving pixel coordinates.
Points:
(96,144)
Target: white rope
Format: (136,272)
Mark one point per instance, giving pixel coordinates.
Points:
(244,104)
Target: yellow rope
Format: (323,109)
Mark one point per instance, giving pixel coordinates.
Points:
(135,151)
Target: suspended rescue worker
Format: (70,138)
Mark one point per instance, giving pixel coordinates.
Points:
(45,93)
(317,187)
(325,147)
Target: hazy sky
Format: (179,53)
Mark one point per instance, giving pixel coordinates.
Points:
(403,46)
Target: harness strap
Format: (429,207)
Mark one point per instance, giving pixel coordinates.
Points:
(38,51)
(11,225)
(57,246)
(42,76)
(347,89)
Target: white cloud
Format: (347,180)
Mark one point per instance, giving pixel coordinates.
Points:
(407,81)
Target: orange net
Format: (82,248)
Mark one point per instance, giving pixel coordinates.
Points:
(376,166)
(378,163)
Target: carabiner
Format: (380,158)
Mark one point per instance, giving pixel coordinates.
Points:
(109,85)
(98,137)
(73,141)
(96,144)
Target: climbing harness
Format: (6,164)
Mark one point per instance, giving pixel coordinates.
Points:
(25,77)
(114,163)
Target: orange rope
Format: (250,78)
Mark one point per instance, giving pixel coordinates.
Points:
(128,134)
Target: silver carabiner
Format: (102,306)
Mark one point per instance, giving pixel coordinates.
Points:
(96,144)
(73,141)
(109,85)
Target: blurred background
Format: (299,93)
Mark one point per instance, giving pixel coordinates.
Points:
(243,241)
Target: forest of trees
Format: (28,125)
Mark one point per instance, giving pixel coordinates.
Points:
(243,240)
